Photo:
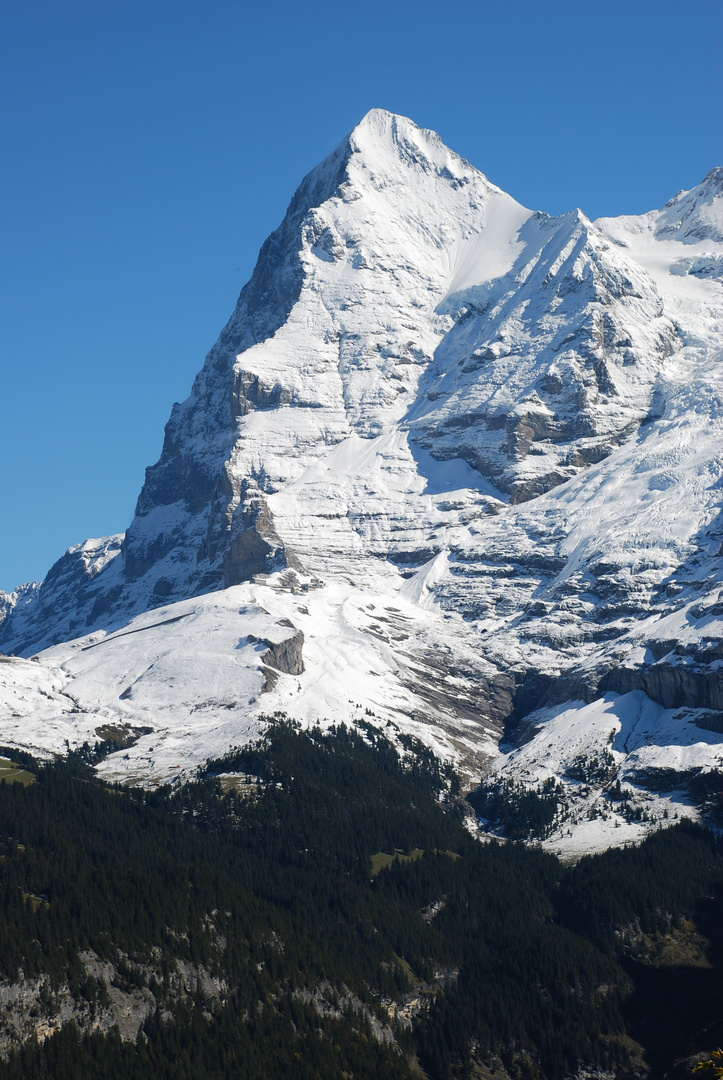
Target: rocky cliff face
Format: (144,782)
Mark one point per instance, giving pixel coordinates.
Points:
(476,447)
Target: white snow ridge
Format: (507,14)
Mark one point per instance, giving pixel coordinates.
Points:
(451,462)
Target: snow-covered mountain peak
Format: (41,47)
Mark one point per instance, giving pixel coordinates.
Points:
(693,218)
(466,454)
(695,215)
(383,140)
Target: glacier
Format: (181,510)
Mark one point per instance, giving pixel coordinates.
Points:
(453,464)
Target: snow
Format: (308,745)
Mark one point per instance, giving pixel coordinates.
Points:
(192,673)
(488,440)
(491,253)
(640,735)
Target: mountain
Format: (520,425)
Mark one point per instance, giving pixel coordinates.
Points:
(451,463)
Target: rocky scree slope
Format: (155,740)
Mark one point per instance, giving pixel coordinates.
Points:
(470,452)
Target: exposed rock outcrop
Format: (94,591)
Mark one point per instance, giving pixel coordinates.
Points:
(671,684)
(285,655)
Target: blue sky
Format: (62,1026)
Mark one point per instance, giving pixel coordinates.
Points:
(149,147)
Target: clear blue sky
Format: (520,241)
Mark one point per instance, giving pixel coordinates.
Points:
(149,146)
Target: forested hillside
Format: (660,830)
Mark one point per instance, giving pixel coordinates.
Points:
(314,906)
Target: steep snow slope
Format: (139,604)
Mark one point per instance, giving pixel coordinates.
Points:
(476,447)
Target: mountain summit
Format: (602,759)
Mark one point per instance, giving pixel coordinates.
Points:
(453,461)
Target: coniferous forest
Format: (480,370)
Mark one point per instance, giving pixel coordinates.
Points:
(314,906)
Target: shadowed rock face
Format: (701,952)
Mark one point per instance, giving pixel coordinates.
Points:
(79,591)
(255,547)
(190,498)
(673,684)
